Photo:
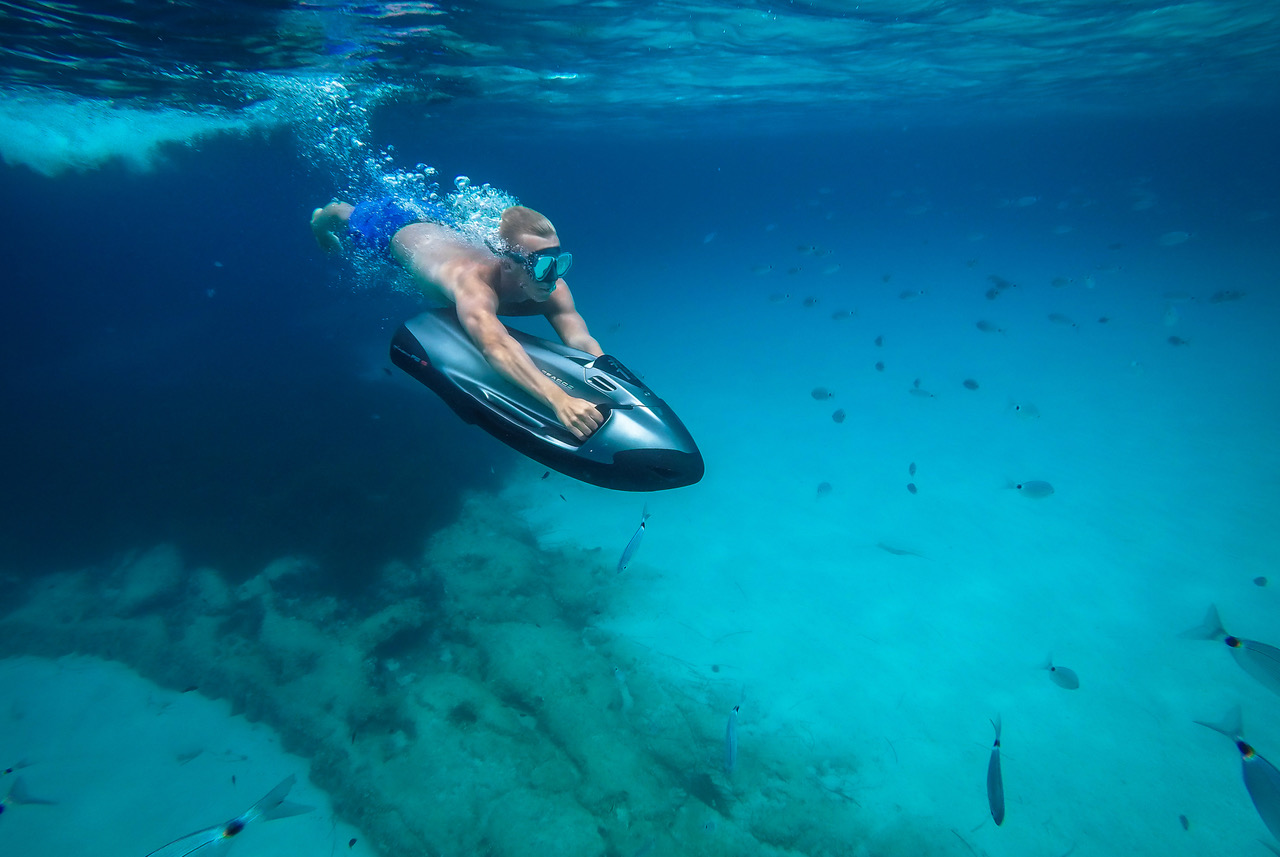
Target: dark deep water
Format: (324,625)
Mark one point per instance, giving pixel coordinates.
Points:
(153,395)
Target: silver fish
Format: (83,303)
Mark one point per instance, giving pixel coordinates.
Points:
(731,741)
(1036,489)
(1224,295)
(995,783)
(634,545)
(1062,676)
(19,796)
(1260,776)
(1026,410)
(273,805)
(1259,660)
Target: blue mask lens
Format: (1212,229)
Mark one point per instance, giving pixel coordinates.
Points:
(547,268)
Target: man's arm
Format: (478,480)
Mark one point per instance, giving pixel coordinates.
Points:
(477,313)
(328,222)
(568,323)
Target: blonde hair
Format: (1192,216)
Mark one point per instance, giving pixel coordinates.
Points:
(518,220)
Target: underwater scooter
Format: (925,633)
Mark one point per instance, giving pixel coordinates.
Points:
(641,445)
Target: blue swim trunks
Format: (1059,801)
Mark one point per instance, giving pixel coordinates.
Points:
(373,223)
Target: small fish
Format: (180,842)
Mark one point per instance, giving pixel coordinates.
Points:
(188,755)
(1177,341)
(1224,295)
(911,469)
(839,415)
(1260,660)
(922,393)
(761,270)
(1060,282)
(16,766)
(810,301)
(1064,320)
(272,806)
(627,701)
(890,549)
(880,341)
(841,314)
(995,783)
(1036,489)
(879,365)
(1186,825)
(991,293)
(910,294)
(987,327)
(1001,283)
(911,488)
(629,551)
(1260,777)
(1062,676)
(969,384)
(1259,581)
(778,297)
(821,393)
(545,474)
(19,796)
(731,741)
(1026,410)
(824,488)
(1172,239)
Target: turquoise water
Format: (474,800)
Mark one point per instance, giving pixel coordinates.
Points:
(1034,243)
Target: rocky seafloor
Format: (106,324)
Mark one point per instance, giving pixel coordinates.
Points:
(471,703)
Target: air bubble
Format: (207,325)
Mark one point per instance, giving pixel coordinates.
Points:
(461,183)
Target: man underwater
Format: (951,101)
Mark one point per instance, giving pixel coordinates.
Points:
(524,276)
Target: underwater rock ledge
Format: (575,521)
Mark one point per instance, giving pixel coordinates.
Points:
(469,704)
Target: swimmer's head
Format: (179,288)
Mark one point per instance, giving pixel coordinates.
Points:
(519,222)
(532,254)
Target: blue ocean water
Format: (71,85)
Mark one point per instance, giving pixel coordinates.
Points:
(1030,243)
